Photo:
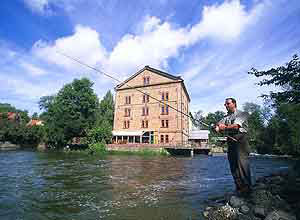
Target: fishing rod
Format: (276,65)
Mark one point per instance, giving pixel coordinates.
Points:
(210,127)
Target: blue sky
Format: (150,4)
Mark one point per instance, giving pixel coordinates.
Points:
(210,43)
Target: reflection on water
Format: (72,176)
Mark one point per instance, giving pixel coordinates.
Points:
(38,185)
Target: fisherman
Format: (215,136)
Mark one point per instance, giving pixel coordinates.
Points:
(234,125)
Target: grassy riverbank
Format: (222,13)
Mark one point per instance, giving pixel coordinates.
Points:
(103,152)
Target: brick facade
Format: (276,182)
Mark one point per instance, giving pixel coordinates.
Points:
(148,114)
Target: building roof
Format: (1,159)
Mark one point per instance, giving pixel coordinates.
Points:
(159,72)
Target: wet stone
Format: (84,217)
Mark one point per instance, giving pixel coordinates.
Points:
(243,217)
(236,202)
(259,212)
(244,209)
(205,214)
(280,215)
(276,179)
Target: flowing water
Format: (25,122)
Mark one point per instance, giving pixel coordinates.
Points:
(38,186)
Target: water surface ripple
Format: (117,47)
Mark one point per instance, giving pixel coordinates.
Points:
(36,185)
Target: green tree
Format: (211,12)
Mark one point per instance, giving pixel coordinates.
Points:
(5,107)
(106,109)
(35,116)
(71,113)
(255,123)
(198,118)
(287,77)
(282,131)
(214,118)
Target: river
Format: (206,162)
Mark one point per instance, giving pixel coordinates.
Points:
(72,186)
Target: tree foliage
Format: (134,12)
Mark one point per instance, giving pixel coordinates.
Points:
(281,134)
(287,77)
(106,109)
(102,131)
(255,123)
(209,119)
(70,113)
(18,132)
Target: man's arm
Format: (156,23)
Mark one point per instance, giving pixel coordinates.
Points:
(223,127)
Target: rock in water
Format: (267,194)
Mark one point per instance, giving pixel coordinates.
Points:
(236,202)
(279,215)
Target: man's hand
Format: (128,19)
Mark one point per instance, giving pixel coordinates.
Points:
(222,127)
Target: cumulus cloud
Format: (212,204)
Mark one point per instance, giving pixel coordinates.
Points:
(26,88)
(39,6)
(225,21)
(45,7)
(32,69)
(158,42)
(153,44)
(84,45)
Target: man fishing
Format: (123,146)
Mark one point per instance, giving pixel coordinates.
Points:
(234,125)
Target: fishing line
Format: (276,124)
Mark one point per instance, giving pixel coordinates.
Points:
(210,127)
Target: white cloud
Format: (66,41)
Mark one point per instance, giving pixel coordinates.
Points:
(39,6)
(158,42)
(44,7)
(32,69)
(25,88)
(224,22)
(84,45)
(153,44)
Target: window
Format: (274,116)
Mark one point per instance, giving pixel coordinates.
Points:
(146,80)
(127,99)
(126,124)
(145,124)
(145,98)
(165,96)
(165,110)
(164,123)
(167,138)
(161,139)
(145,111)
(127,112)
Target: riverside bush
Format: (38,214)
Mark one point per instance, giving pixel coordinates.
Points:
(97,148)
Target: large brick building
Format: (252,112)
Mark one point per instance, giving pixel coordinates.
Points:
(142,114)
